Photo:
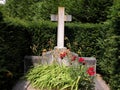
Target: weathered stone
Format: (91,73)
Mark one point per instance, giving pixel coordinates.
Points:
(54,57)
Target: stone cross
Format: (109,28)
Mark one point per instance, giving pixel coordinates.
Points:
(2,1)
(61,17)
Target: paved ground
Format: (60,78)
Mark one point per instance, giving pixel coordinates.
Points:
(25,85)
(100,84)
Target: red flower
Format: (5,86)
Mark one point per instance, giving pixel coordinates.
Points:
(81,60)
(62,55)
(73,58)
(91,71)
(84,63)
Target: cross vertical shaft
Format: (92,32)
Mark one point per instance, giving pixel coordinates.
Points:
(60,33)
(61,18)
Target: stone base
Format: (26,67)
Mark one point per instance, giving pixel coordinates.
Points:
(59,56)
(54,57)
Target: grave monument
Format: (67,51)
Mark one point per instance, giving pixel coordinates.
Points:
(61,17)
(54,55)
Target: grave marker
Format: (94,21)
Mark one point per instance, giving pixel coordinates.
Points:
(61,17)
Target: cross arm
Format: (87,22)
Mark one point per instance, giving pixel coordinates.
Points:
(66,17)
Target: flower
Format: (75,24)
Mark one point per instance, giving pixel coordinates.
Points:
(81,60)
(62,55)
(91,71)
(73,58)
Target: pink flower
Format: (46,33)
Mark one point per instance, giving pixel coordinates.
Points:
(81,60)
(91,71)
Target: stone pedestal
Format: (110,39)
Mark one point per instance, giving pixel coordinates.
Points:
(58,56)
(54,56)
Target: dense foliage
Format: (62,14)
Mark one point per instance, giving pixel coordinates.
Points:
(55,77)
(24,21)
(81,10)
(92,11)
(13,46)
(111,56)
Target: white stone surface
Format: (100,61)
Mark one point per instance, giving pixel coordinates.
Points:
(61,17)
(2,1)
(60,34)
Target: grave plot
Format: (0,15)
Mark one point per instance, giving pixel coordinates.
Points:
(83,67)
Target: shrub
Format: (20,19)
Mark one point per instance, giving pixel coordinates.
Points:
(14,46)
(92,11)
(112,49)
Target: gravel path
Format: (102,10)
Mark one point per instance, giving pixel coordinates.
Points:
(25,85)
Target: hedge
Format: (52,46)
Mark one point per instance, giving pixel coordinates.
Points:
(88,40)
(14,46)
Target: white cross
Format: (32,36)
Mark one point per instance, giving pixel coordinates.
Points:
(61,17)
(2,1)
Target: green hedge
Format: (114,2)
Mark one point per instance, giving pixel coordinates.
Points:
(112,55)
(14,46)
(81,38)
(98,40)
(92,11)
(84,39)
